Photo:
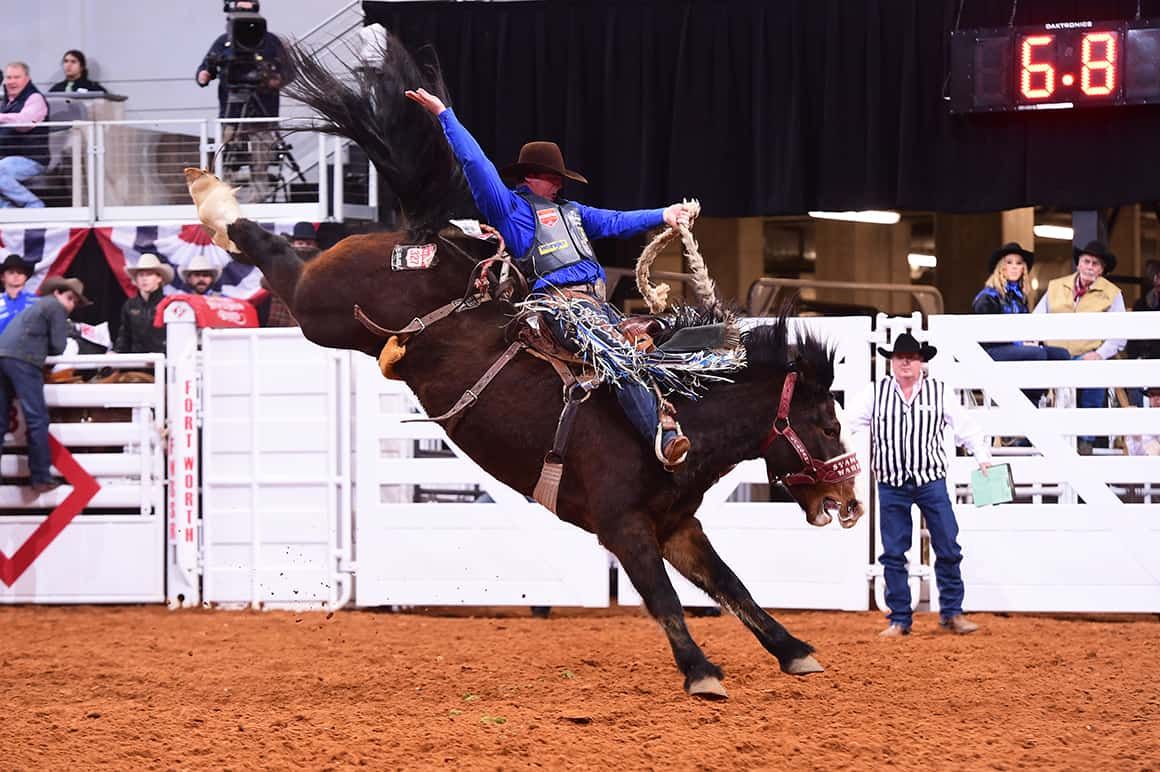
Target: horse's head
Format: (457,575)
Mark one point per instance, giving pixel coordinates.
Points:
(803,447)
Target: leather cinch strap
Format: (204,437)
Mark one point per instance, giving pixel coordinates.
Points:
(417,325)
(471,395)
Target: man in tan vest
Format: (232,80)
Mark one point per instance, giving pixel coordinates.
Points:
(1086,291)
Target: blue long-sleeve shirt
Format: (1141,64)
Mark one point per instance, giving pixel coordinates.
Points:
(513,217)
(11,306)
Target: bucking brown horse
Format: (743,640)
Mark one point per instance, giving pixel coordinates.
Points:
(779,408)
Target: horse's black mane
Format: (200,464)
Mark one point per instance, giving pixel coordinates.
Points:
(767,345)
(403,141)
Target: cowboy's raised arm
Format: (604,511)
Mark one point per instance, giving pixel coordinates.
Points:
(610,223)
(496,203)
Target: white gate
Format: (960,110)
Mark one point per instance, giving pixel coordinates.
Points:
(427,532)
(1081,541)
(86,541)
(275,470)
(784,561)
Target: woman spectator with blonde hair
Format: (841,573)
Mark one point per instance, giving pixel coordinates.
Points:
(1008,291)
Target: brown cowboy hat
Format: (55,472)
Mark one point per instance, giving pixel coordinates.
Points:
(54,283)
(907,344)
(540,157)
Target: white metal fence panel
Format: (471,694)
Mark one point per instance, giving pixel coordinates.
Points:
(111,551)
(427,532)
(276,512)
(784,561)
(1080,536)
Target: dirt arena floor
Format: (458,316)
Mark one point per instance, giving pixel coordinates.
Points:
(145,688)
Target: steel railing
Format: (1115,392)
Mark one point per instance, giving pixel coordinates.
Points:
(108,172)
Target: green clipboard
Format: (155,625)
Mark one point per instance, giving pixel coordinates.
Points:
(997,486)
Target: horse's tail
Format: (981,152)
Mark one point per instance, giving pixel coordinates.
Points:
(365,103)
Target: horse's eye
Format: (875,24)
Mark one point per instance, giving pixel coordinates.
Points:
(832,432)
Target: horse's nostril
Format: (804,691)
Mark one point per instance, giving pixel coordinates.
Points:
(853,505)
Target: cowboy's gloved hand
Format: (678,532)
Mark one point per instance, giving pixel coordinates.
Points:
(676,215)
(429,101)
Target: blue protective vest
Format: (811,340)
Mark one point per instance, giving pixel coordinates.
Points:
(560,239)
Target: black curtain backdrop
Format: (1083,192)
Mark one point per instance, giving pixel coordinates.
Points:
(761,108)
(101,286)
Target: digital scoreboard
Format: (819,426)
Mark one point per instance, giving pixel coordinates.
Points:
(1055,66)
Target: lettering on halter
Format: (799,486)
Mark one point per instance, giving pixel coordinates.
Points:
(814,471)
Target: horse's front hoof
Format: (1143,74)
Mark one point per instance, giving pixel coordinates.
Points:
(708,688)
(803,666)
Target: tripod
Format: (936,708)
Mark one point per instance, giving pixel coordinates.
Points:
(256,147)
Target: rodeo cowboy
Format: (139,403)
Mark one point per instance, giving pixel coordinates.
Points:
(549,236)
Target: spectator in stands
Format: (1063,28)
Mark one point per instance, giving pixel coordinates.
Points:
(272,311)
(1146,444)
(23,149)
(137,334)
(37,333)
(200,274)
(1086,291)
(1149,301)
(907,413)
(76,74)
(15,298)
(1007,291)
(304,238)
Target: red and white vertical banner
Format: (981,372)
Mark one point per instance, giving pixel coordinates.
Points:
(183,587)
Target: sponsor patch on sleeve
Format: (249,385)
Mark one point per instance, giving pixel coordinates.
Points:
(413,257)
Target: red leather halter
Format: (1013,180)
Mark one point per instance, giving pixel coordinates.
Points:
(814,471)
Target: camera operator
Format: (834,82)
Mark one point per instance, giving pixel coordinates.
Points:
(251,66)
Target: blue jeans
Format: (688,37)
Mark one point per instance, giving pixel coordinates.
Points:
(1014,352)
(894,519)
(638,402)
(26,381)
(1090,398)
(13,170)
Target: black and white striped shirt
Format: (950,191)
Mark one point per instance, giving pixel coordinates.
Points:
(907,436)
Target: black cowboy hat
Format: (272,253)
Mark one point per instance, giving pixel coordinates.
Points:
(1096,249)
(1011,248)
(907,344)
(540,157)
(15,262)
(305,231)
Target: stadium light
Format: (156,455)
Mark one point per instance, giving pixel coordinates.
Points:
(869,216)
(1058,232)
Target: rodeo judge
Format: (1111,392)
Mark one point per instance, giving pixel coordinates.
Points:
(549,237)
(906,413)
(38,332)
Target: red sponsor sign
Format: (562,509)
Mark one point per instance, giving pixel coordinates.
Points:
(84,489)
(548,217)
(211,310)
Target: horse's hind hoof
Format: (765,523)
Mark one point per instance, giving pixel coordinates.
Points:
(708,688)
(804,666)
